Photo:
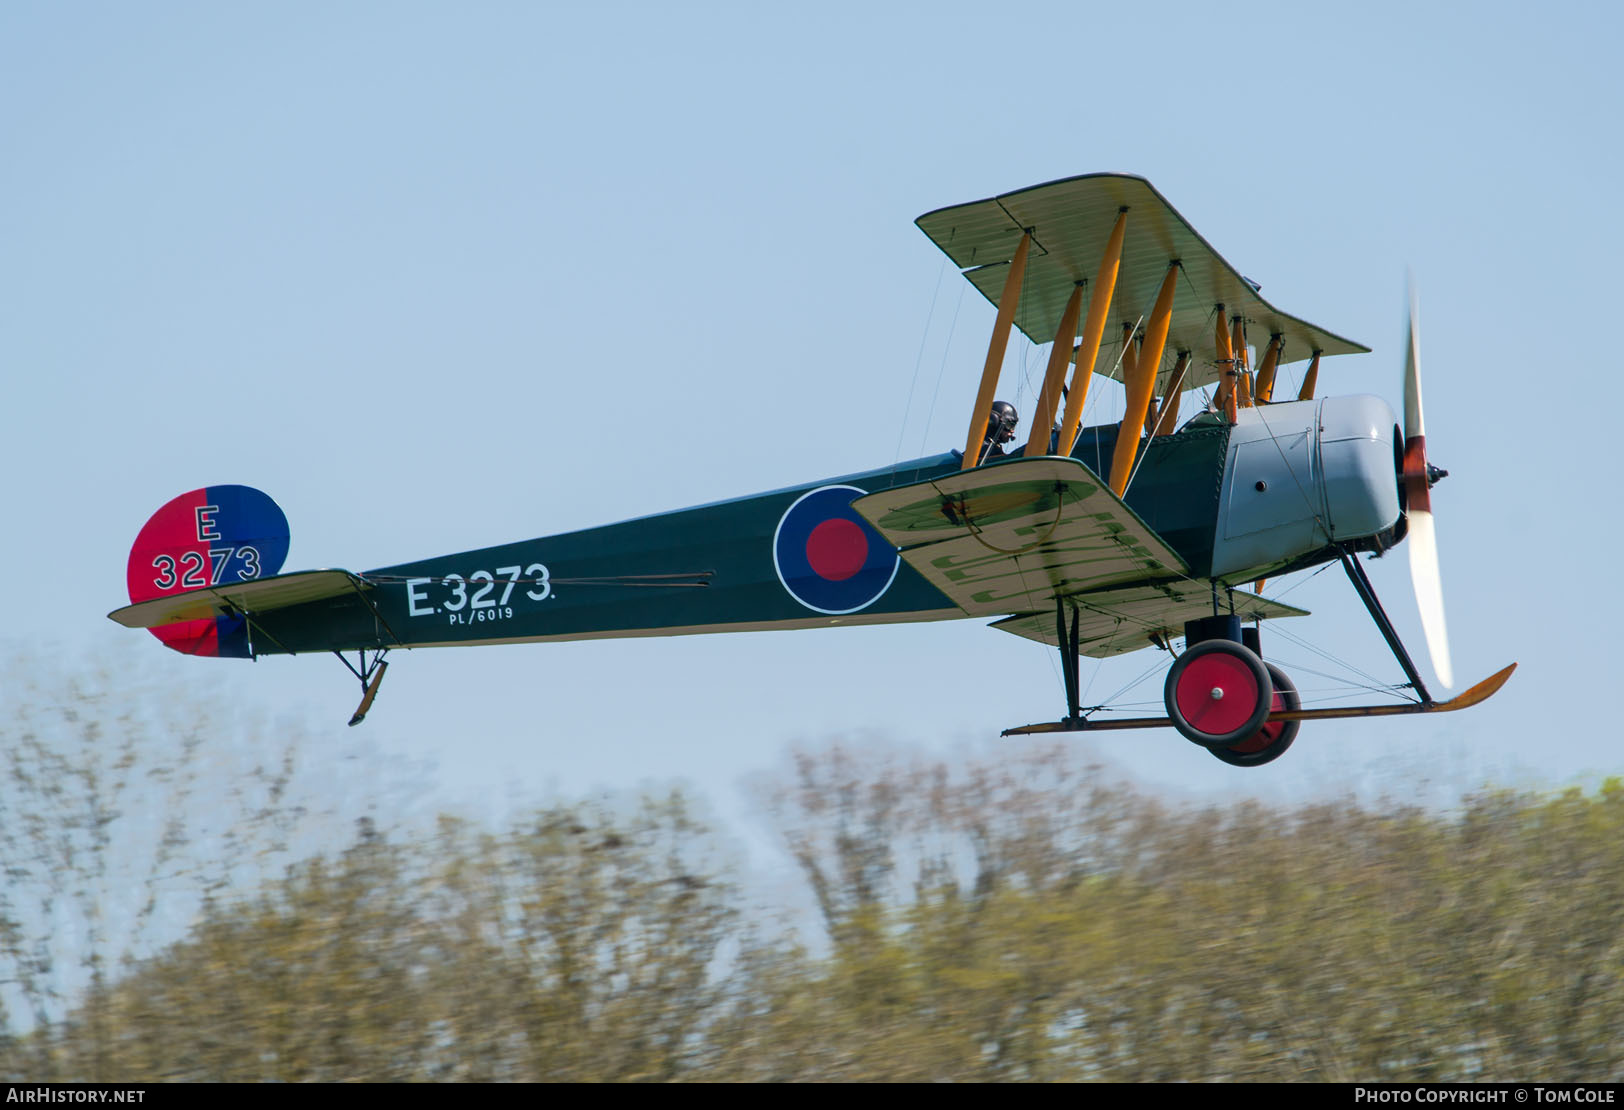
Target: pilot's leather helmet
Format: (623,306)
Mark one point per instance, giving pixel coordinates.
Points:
(1001,424)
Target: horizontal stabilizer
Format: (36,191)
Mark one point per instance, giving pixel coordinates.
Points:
(1010,537)
(258,595)
(1111,622)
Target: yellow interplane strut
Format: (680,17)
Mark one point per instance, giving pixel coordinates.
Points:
(1099,307)
(1170,399)
(1037,442)
(1142,382)
(1266,371)
(1224,355)
(1237,346)
(995,353)
(1310,380)
(1130,352)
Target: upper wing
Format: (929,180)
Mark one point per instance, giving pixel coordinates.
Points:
(1012,536)
(1071,221)
(259,595)
(1111,622)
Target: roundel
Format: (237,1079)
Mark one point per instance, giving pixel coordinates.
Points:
(830,559)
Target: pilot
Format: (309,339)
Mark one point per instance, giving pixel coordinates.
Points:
(1000,430)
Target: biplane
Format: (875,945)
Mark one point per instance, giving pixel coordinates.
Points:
(1132,535)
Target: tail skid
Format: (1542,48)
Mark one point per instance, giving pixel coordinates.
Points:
(369,690)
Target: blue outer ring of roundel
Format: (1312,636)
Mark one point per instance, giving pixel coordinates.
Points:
(813,590)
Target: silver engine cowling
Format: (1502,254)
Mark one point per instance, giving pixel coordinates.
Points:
(1304,474)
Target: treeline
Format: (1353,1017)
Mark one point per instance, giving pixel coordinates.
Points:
(1017,919)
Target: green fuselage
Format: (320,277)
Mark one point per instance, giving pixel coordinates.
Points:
(710,568)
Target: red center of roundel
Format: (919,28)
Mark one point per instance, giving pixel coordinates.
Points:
(836,549)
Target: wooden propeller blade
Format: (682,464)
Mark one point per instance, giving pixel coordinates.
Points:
(1413,424)
(1429,592)
(1479,693)
(1423,538)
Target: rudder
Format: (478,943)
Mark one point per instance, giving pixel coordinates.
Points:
(207,537)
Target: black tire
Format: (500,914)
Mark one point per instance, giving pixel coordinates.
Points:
(1285,692)
(1198,665)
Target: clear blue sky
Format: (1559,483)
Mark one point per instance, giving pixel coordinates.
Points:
(440,276)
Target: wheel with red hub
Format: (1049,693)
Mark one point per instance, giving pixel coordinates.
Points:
(1218,693)
(1270,742)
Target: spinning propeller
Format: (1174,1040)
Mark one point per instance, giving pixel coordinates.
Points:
(1418,477)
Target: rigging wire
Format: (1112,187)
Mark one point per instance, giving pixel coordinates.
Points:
(1145,454)
(1185,274)
(1093,400)
(1355,689)
(919,358)
(1026,375)
(1377,684)
(1374,685)
(1302,582)
(1094,672)
(941,371)
(1296,383)
(1153,668)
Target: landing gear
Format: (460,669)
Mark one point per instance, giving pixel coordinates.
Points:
(1270,742)
(1218,693)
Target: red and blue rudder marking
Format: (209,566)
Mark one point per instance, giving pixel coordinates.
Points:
(830,559)
(213,536)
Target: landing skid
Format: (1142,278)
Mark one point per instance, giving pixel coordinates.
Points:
(370,676)
(1481,692)
(1076,721)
